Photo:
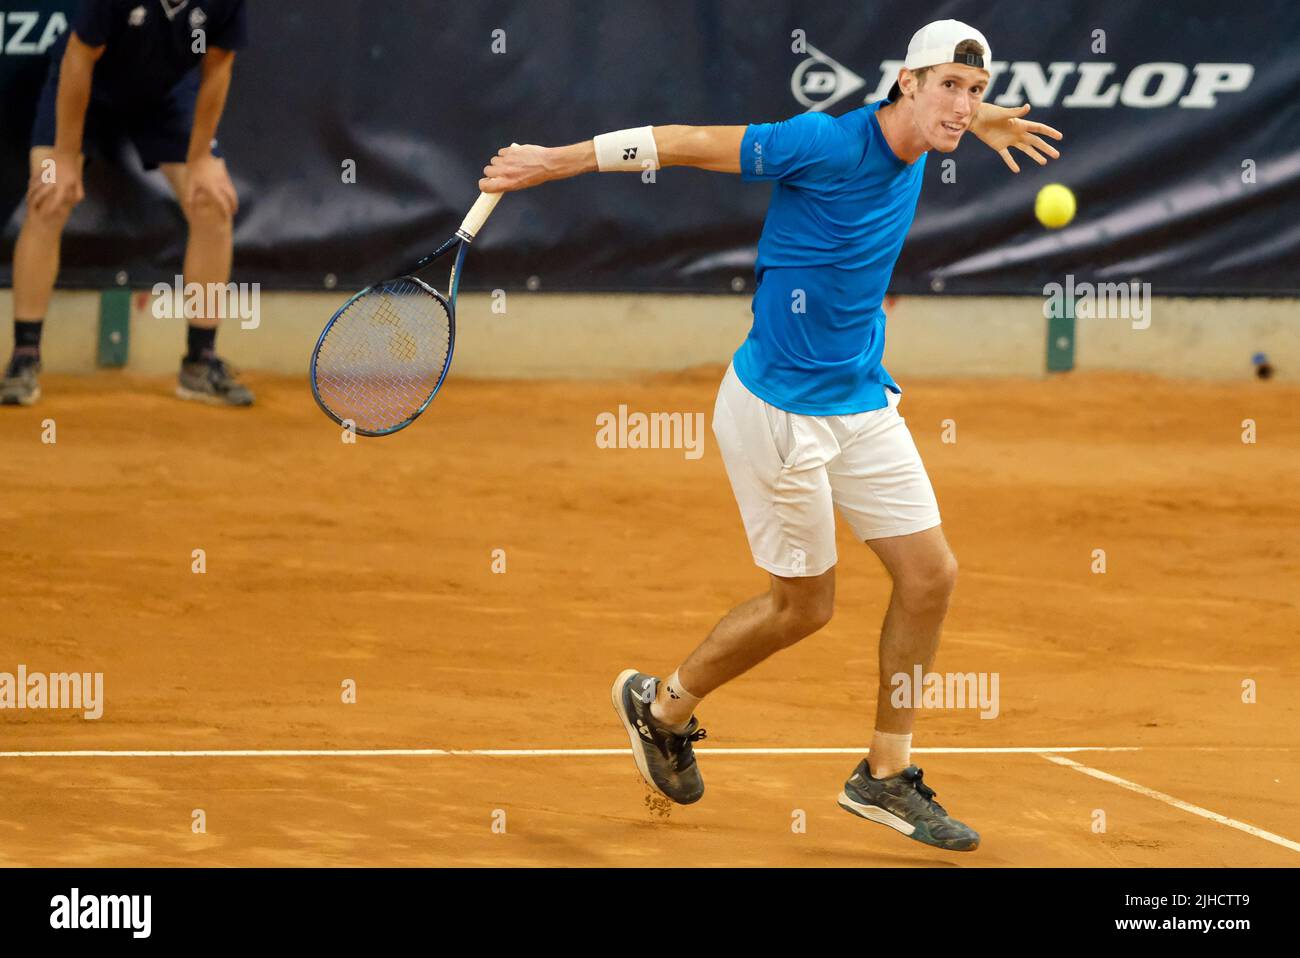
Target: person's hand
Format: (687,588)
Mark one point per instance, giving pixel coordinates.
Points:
(208,184)
(1000,128)
(517,167)
(56,183)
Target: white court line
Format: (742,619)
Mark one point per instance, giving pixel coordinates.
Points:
(1176,802)
(513,752)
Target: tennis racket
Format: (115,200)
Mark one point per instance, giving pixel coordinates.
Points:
(383,356)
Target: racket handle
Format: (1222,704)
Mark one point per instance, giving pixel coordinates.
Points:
(478,214)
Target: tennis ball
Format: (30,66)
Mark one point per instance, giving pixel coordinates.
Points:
(1054,206)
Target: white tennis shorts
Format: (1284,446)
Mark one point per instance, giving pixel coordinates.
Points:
(790,472)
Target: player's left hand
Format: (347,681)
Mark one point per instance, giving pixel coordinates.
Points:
(207,182)
(1000,128)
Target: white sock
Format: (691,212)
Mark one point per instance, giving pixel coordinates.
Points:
(890,753)
(674,706)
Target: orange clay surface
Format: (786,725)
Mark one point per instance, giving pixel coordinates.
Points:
(373,562)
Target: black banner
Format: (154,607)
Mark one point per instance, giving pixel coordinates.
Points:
(1228,908)
(1181,122)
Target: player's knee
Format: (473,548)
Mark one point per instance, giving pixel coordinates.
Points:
(928,589)
(51,217)
(801,617)
(207,215)
(817,615)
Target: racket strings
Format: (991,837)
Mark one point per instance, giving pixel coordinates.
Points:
(383,356)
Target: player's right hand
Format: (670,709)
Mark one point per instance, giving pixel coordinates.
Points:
(516,167)
(56,184)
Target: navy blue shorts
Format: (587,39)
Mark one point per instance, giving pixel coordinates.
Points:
(160,131)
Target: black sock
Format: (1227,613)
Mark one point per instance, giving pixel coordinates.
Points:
(201,343)
(27,336)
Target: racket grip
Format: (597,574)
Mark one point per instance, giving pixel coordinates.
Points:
(478,214)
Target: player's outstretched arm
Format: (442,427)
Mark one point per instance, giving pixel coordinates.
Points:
(1001,128)
(714,148)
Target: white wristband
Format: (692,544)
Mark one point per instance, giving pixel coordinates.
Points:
(629,151)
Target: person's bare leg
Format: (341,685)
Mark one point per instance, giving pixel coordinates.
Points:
(883,788)
(49,202)
(792,609)
(924,572)
(36,255)
(209,249)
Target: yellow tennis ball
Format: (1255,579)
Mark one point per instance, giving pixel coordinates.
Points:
(1054,206)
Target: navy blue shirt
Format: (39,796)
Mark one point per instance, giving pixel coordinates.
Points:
(149,44)
(841,206)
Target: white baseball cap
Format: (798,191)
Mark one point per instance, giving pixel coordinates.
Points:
(936,43)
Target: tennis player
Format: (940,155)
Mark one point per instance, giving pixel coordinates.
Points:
(806,416)
(156,73)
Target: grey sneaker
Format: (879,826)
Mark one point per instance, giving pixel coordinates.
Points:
(20,387)
(664,758)
(211,381)
(906,803)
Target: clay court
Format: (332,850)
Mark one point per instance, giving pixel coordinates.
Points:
(480,693)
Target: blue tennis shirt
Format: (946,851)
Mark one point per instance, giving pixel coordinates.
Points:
(841,205)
